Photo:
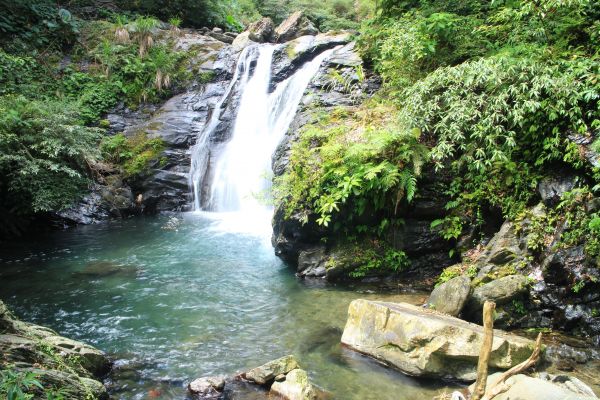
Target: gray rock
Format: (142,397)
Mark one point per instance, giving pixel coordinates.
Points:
(207,387)
(262,30)
(504,246)
(216,29)
(294,26)
(312,260)
(221,37)
(267,372)
(421,342)
(241,41)
(500,291)
(523,387)
(450,297)
(296,386)
(568,382)
(288,58)
(552,188)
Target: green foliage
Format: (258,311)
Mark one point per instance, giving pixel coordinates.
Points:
(134,154)
(519,307)
(363,165)
(35,24)
(497,88)
(44,154)
(406,49)
(15,385)
(330,15)
(455,271)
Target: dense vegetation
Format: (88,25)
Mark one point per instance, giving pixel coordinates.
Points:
(499,93)
(63,66)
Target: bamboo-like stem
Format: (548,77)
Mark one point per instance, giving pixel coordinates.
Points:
(500,386)
(486,349)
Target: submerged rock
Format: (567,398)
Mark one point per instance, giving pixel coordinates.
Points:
(267,372)
(102,269)
(450,297)
(295,386)
(425,343)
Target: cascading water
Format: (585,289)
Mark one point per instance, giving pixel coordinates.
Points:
(241,172)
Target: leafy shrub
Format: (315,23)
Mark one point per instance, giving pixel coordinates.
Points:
(406,49)
(372,262)
(350,159)
(44,154)
(15,385)
(36,23)
(499,121)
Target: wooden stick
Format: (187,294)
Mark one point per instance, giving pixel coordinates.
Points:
(499,386)
(486,349)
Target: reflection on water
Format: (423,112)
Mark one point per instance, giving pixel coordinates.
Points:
(174,305)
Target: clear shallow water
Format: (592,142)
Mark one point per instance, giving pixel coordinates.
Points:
(170,306)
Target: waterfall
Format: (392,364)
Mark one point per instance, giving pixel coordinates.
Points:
(241,173)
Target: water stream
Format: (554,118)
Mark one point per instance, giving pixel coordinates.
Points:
(174,305)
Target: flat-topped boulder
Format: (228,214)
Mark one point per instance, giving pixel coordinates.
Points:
(422,342)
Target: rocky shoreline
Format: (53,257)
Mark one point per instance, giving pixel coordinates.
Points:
(59,365)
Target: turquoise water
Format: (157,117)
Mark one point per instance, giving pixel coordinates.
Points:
(170,306)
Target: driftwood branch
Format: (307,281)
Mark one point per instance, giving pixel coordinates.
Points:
(486,349)
(500,386)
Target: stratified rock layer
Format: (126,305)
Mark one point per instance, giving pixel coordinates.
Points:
(425,343)
(31,348)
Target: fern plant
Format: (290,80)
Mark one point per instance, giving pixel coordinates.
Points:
(351,161)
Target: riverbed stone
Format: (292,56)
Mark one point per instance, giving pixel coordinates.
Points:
(296,386)
(267,372)
(421,342)
(208,386)
(523,387)
(450,297)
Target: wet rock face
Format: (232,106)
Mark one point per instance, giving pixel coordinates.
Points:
(421,342)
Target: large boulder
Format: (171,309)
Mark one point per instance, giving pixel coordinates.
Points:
(450,297)
(296,386)
(267,372)
(421,342)
(500,291)
(523,387)
(261,30)
(294,26)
